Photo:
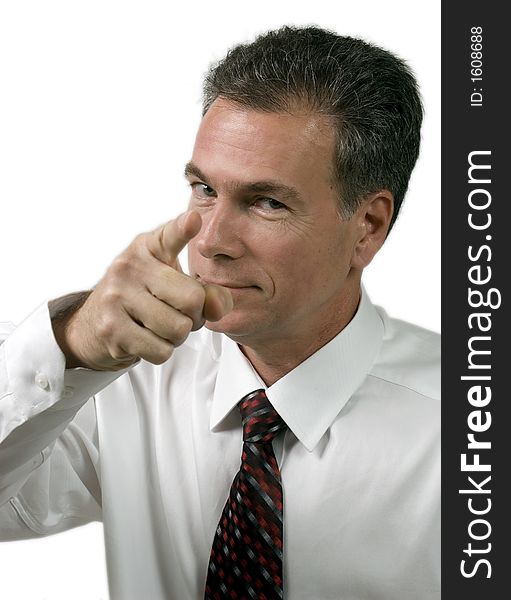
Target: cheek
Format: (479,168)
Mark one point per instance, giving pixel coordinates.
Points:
(297,267)
(313,268)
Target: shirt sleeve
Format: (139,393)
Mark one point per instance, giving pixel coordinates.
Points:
(49,455)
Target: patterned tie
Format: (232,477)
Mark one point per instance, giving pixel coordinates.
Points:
(246,557)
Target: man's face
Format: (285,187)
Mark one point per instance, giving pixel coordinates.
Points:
(263,185)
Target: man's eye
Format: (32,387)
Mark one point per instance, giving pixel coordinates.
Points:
(270,204)
(201,190)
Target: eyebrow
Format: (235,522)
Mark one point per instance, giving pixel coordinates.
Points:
(259,187)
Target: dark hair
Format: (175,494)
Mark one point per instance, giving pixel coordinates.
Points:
(371,94)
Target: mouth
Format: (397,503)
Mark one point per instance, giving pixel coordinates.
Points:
(231,285)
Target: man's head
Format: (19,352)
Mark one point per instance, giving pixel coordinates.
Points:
(281,226)
(369,94)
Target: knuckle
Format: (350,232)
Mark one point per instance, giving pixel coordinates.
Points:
(117,353)
(161,354)
(140,242)
(106,326)
(194,298)
(121,266)
(182,329)
(111,296)
(140,239)
(155,351)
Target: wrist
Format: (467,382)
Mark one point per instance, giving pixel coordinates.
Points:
(62,310)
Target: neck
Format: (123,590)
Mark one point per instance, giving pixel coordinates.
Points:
(274,358)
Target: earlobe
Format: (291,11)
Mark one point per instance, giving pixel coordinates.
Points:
(373,217)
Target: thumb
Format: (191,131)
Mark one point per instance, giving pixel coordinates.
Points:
(218,302)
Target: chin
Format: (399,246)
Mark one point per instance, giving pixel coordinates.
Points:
(234,325)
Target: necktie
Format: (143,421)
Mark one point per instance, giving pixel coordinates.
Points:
(246,557)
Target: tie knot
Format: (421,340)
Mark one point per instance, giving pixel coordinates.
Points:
(261,422)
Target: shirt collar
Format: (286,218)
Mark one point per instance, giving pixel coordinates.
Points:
(310,396)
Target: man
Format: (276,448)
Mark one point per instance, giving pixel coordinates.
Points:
(299,168)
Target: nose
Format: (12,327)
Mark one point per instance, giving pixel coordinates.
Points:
(221,232)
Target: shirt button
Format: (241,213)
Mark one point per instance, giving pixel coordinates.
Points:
(68,392)
(42,381)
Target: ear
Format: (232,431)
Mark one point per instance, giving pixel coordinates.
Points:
(373,219)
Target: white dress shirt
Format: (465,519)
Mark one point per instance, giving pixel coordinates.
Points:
(153,453)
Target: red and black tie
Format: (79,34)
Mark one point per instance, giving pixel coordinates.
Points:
(246,557)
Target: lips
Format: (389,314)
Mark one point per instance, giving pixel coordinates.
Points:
(233,285)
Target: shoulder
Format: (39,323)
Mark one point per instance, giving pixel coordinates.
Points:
(409,356)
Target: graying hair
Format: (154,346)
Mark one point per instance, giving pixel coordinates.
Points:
(370,94)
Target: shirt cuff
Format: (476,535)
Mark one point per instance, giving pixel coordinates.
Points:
(33,377)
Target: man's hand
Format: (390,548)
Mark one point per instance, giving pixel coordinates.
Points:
(144,306)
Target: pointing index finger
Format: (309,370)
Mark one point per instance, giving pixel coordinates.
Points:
(172,237)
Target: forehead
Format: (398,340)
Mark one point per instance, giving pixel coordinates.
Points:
(252,144)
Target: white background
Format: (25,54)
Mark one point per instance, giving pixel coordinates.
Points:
(99,104)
